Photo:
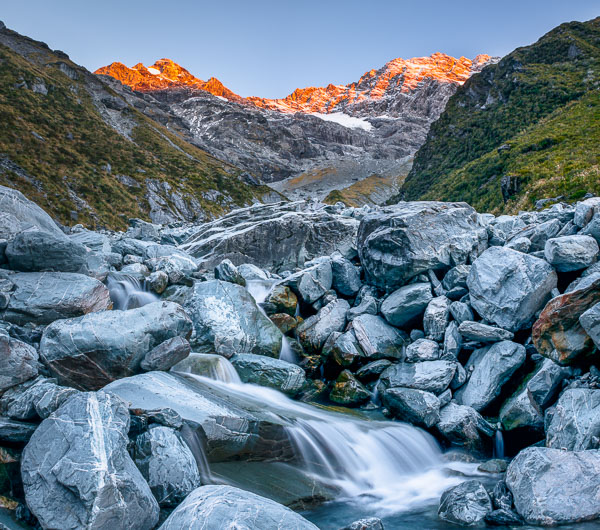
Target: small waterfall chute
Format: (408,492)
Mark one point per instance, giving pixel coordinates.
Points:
(498,444)
(209,365)
(128,292)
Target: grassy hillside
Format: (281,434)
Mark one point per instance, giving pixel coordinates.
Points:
(541,100)
(85,153)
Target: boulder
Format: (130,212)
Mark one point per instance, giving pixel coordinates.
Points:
(315,281)
(466,504)
(313,332)
(402,241)
(463,426)
(19,402)
(406,304)
(456,277)
(349,391)
(284,322)
(16,432)
(227,320)
(422,350)
(492,366)
(558,333)
(345,349)
(167,464)
(461,312)
(282,299)
(452,340)
(378,339)
(575,422)
(507,287)
(538,234)
(590,322)
(372,370)
(18,362)
(553,487)
(252,272)
(43,297)
(571,253)
(482,332)
(41,251)
(77,473)
(436,318)
(346,277)
(265,371)
(431,376)
(369,523)
(585,210)
(228,507)
(166,354)
(91,351)
(228,272)
(413,406)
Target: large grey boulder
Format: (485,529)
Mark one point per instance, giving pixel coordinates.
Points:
(414,406)
(575,423)
(407,239)
(166,354)
(230,426)
(220,507)
(492,366)
(571,253)
(18,362)
(313,332)
(17,214)
(431,376)
(553,487)
(507,287)
(77,473)
(377,338)
(422,350)
(480,332)
(227,320)
(466,504)
(463,426)
(436,317)
(406,304)
(274,236)
(43,297)
(315,281)
(91,351)
(590,322)
(41,251)
(346,277)
(585,210)
(265,371)
(167,464)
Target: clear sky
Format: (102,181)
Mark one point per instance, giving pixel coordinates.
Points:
(269,47)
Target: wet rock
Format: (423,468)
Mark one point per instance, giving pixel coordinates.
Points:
(265,371)
(413,406)
(507,287)
(463,426)
(282,299)
(422,350)
(227,320)
(431,376)
(166,354)
(229,507)
(167,464)
(495,466)
(284,322)
(571,253)
(465,504)
(18,362)
(91,351)
(16,432)
(43,297)
(252,272)
(558,333)
(590,322)
(575,423)
(19,402)
(372,370)
(228,272)
(501,496)
(436,317)
(315,282)
(479,332)
(406,304)
(555,487)
(42,251)
(492,366)
(370,523)
(377,338)
(77,472)
(158,281)
(345,349)
(503,518)
(405,240)
(349,391)
(346,277)
(367,306)
(313,332)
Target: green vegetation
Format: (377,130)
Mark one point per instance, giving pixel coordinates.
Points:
(365,191)
(63,148)
(540,100)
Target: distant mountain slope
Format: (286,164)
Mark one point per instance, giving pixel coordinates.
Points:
(89,151)
(529,101)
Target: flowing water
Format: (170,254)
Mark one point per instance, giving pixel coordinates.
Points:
(127,292)
(498,444)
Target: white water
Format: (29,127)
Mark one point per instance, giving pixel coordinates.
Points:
(127,292)
(389,466)
(259,290)
(210,365)
(498,444)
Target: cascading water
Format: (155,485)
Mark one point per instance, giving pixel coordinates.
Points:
(127,292)
(498,444)
(260,289)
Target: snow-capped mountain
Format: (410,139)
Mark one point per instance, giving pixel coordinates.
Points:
(328,137)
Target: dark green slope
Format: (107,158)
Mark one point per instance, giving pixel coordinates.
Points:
(528,101)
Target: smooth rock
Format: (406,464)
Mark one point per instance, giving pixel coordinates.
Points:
(349,391)
(228,272)
(18,362)
(282,299)
(422,350)
(346,277)
(313,332)
(406,304)
(166,354)
(265,371)
(370,523)
(431,376)
(452,340)
(465,504)
(463,426)
(590,322)
(377,338)
(461,312)
(571,253)
(479,332)
(414,406)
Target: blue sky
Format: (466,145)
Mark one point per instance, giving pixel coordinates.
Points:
(267,48)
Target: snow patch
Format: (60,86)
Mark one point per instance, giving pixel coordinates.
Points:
(345,120)
(154,71)
(222,98)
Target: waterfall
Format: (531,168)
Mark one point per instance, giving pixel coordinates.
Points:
(390,466)
(498,444)
(127,292)
(209,365)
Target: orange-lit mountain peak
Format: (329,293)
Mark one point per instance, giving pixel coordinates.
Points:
(164,74)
